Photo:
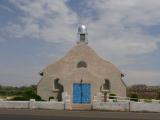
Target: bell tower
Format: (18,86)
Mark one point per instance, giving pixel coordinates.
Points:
(82,34)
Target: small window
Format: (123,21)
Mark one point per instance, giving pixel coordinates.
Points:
(81,64)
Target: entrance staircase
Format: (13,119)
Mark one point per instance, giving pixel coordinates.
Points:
(81,107)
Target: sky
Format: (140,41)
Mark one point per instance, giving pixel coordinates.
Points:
(35,33)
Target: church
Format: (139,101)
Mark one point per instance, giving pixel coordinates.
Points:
(81,74)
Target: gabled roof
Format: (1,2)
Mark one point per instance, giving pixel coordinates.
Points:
(82,52)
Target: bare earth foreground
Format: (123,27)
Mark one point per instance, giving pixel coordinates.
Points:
(25,114)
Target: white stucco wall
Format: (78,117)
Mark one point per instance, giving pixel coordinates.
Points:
(127,106)
(14,104)
(141,106)
(97,105)
(32,105)
(47,105)
(113,106)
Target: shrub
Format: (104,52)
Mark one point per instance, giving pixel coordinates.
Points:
(30,94)
(112,96)
(134,97)
(27,95)
(20,98)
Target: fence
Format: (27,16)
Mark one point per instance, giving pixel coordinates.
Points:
(127,106)
(32,104)
(96,105)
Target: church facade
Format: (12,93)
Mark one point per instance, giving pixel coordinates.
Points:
(82,74)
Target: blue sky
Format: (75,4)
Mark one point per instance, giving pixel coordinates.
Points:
(35,33)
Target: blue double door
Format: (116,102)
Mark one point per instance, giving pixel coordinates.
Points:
(81,93)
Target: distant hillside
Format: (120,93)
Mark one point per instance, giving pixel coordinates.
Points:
(23,93)
(16,91)
(144,91)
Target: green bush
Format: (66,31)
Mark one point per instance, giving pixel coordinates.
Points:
(2,92)
(112,96)
(134,97)
(27,95)
(20,98)
(30,94)
(15,91)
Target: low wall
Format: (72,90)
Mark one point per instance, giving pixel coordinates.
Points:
(47,105)
(127,106)
(141,107)
(97,105)
(112,106)
(32,104)
(14,104)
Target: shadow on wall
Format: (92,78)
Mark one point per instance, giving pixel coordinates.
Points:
(59,87)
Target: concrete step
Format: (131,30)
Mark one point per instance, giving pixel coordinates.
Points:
(81,107)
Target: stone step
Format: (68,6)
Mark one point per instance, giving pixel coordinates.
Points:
(81,107)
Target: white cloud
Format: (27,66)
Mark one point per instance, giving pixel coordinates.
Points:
(2,7)
(116,29)
(137,11)
(50,20)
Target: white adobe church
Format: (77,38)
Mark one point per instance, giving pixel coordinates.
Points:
(81,74)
